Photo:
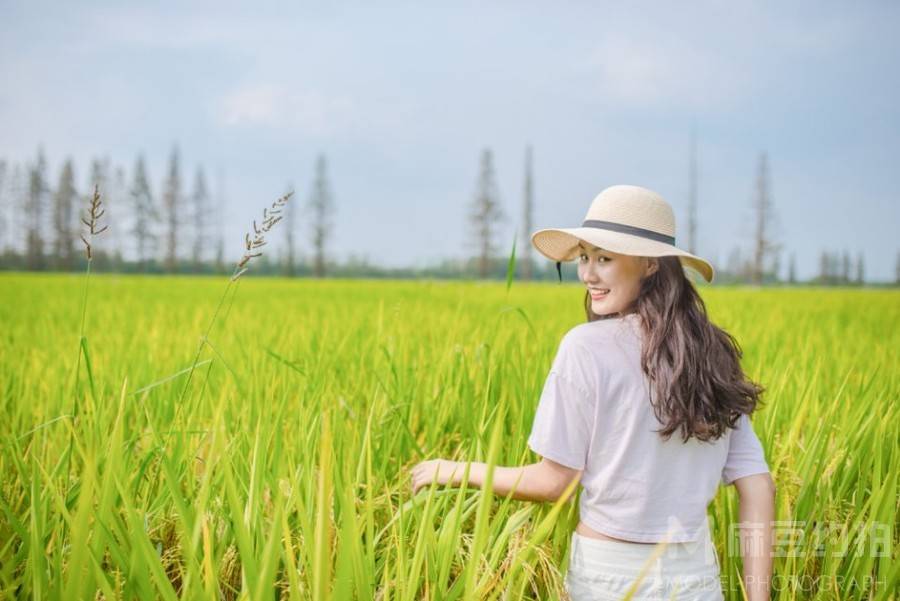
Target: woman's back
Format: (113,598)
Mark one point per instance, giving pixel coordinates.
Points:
(598,423)
(595,415)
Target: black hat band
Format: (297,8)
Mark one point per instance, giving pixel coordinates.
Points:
(629,229)
(622,229)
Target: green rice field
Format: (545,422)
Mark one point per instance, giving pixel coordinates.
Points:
(278,467)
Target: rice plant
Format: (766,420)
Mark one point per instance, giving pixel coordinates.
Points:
(285,474)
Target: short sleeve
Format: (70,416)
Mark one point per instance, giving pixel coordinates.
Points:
(745,453)
(564,418)
(562,423)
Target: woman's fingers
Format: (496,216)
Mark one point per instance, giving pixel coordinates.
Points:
(418,480)
(419,474)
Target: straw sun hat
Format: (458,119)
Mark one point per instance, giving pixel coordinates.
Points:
(628,220)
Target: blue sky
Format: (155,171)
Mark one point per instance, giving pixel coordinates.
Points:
(402,97)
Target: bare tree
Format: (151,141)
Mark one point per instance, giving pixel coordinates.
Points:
(202,217)
(860,269)
(897,270)
(792,270)
(485,213)
(824,268)
(845,268)
(18,200)
(737,264)
(764,246)
(116,196)
(99,176)
(290,219)
(692,195)
(145,214)
(220,220)
(4,227)
(34,213)
(527,221)
(171,207)
(64,216)
(834,268)
(321,206)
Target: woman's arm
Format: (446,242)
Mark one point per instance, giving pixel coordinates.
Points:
(756,496)
(542,481)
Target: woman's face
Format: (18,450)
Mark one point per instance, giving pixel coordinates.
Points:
(613,280)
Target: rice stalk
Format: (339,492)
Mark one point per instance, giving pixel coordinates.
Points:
(92,221)
(424,366)
(271,216)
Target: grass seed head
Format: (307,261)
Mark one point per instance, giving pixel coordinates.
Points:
(271,216)
(92,221)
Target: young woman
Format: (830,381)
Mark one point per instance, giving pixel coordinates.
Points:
(646,405)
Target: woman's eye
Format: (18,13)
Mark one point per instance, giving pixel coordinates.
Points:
(583,257)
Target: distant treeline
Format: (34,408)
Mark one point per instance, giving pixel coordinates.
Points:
(177,228)
(105,262)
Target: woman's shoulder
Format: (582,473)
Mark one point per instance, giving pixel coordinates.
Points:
(590,332)
(603,341)
(591,352)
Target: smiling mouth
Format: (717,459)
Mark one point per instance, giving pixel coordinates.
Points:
(597,294)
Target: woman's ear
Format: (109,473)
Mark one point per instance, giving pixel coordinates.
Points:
(652,266)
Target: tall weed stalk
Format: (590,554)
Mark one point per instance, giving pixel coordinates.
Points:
(92,221)
(252,245)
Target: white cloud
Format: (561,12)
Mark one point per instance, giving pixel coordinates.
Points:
(714,61)
(274,105)
(155,27)
(669,73)
(252,105)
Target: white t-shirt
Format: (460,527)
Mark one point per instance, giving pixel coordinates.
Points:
(594,414)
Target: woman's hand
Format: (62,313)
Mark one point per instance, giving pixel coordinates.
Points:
(448,472)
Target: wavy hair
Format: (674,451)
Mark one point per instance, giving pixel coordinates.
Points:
(697,384)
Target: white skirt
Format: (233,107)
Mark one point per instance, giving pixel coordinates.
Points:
(606,570)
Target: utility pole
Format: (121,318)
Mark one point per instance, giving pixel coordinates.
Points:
(692,195)
(527,262)
(763,244)
(485,213)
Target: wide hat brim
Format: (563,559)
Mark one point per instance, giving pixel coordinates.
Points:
(561,244)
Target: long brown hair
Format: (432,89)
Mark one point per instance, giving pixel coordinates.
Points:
(698,386)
